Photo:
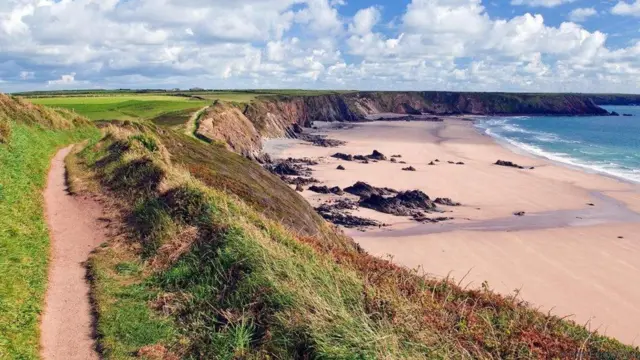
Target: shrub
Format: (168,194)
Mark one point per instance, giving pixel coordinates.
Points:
(147,141)
(5,131)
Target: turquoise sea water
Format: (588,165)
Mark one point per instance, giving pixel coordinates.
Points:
(604,144)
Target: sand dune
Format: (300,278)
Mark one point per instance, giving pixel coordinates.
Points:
(564,255)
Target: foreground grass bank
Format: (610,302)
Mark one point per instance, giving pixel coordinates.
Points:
(29,137)
(208,270)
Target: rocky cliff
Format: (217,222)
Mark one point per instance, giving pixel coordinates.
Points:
(242,126)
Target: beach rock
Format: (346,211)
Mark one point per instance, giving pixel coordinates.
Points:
(591,204)
(459,163)
(335,212)
(306,161)
(299,180)
(342,156)
(320,189)
(360,158)
(287,167)
(508,164)
(349,221)
(627,114)
(296,128)
(393,160)
(339,204)
(620,237)
(432,163)
(403,204)
(299,188)
(376,155)
(421,217)
(436,160)
(396,156)
(416,199)
(519,213)
(446,202)
(319,140)
(613,113)
(451,162)
(365,161)
(402,162)
(326,190)
(410,168)
(340,167)
(362,189)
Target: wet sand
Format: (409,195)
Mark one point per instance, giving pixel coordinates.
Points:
(564,255)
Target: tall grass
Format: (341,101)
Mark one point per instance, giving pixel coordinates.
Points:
(212,277)
(35,135)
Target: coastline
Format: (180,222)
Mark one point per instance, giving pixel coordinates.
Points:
(578,267)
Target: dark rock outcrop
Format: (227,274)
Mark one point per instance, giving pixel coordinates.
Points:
(446,202)
(340,167)
(508,164)
(304,181)
(362,189)
(326,190)
(289,168)
(410,168)
(403,204)
(342,156)
(376,155)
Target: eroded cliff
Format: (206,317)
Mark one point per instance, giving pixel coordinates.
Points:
(242,126)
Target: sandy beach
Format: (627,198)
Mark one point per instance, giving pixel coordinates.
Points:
(576,252)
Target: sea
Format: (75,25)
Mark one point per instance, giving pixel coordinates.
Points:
(602,144)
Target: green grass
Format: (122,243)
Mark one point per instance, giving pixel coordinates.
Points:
(24,238)
(123,106)
(209,272)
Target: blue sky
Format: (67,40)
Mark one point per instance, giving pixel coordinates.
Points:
(507,45)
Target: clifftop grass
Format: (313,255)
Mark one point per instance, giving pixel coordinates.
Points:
(209,272)
(29,137)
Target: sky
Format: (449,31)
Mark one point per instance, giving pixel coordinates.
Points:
(462,45)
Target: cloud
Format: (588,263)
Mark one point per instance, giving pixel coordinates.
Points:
(624,8)
(581,14)
(67,79)
(434,44)
(27,75)
(365,20)
(544,3)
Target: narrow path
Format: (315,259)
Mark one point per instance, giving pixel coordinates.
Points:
(190,126)
(66,328)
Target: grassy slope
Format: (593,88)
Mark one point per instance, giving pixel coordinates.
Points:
(205,273)
(25,154)
(124,106)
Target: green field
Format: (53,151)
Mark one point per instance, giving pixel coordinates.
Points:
(123,106)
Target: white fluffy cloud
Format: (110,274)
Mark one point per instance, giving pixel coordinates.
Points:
(581,14)
(545,3)
(435,44)
(625,8)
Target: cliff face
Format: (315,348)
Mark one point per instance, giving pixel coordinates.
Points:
(451,103)
(227,124)
(242,127)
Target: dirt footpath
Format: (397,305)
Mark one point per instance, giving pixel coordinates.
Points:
(66,328)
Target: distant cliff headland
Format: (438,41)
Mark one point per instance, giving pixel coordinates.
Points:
(242,125)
